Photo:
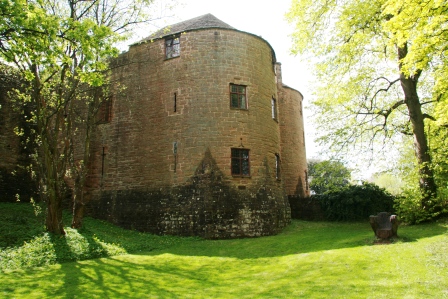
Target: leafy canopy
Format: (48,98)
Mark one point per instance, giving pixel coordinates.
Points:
(358,99)
(62,49)
(328,176)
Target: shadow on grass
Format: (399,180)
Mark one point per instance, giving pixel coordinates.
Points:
(172,276)
(166,266)
(300,237)
(101,239)
(102,278)
(80,275)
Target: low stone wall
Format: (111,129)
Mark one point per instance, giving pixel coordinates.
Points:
(305,208)
(208,207)
(218,214)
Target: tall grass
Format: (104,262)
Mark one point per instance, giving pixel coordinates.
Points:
(307,260)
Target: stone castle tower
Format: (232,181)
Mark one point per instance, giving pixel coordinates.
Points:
(200,136)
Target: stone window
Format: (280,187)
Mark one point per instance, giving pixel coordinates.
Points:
(175,102)
(274,108)
(238,97)
(104,113)
(240,162)
(103,158)
(277,166)
(172,47)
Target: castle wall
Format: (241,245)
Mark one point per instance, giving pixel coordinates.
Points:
(293,163)
(161,153)
(143,183)
(10,141)
(15,151)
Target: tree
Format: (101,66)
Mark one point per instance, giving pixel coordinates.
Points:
(61,48)
(328,176)
(380,73)
(390,182)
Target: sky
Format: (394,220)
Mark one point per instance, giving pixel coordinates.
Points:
(265,18)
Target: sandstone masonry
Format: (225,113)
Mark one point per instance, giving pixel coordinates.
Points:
(163,162)
(199,137)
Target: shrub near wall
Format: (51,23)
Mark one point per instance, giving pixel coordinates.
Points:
(355,202)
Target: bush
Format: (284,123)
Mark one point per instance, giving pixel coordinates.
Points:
(355,202)
(409,206)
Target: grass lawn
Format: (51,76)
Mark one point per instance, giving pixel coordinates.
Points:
(307,260)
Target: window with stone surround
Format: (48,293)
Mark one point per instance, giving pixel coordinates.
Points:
(240,162)
(172,47)
(238,97)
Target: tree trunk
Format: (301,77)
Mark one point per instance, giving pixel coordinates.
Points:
(50,164)
(80,198)
(47,160)
(51,189)
(54,222)
(426,180)
(78,209)
(54,190)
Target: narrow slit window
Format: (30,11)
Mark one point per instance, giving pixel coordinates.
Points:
(277,166)
(103,157)
(175,101)
(274,108)
(175,155)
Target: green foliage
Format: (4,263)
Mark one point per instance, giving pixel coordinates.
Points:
(61,49)
(18,224)
(327,176)
(409,207)
(392,183)
(379,64)
(410,210)
(421,24)
(438,136)
(353,45)
(354,66)
(355,202)
(24,242)
(408,203)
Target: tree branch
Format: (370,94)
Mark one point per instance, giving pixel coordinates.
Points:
(429,102)
(427,116)
(391,83)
